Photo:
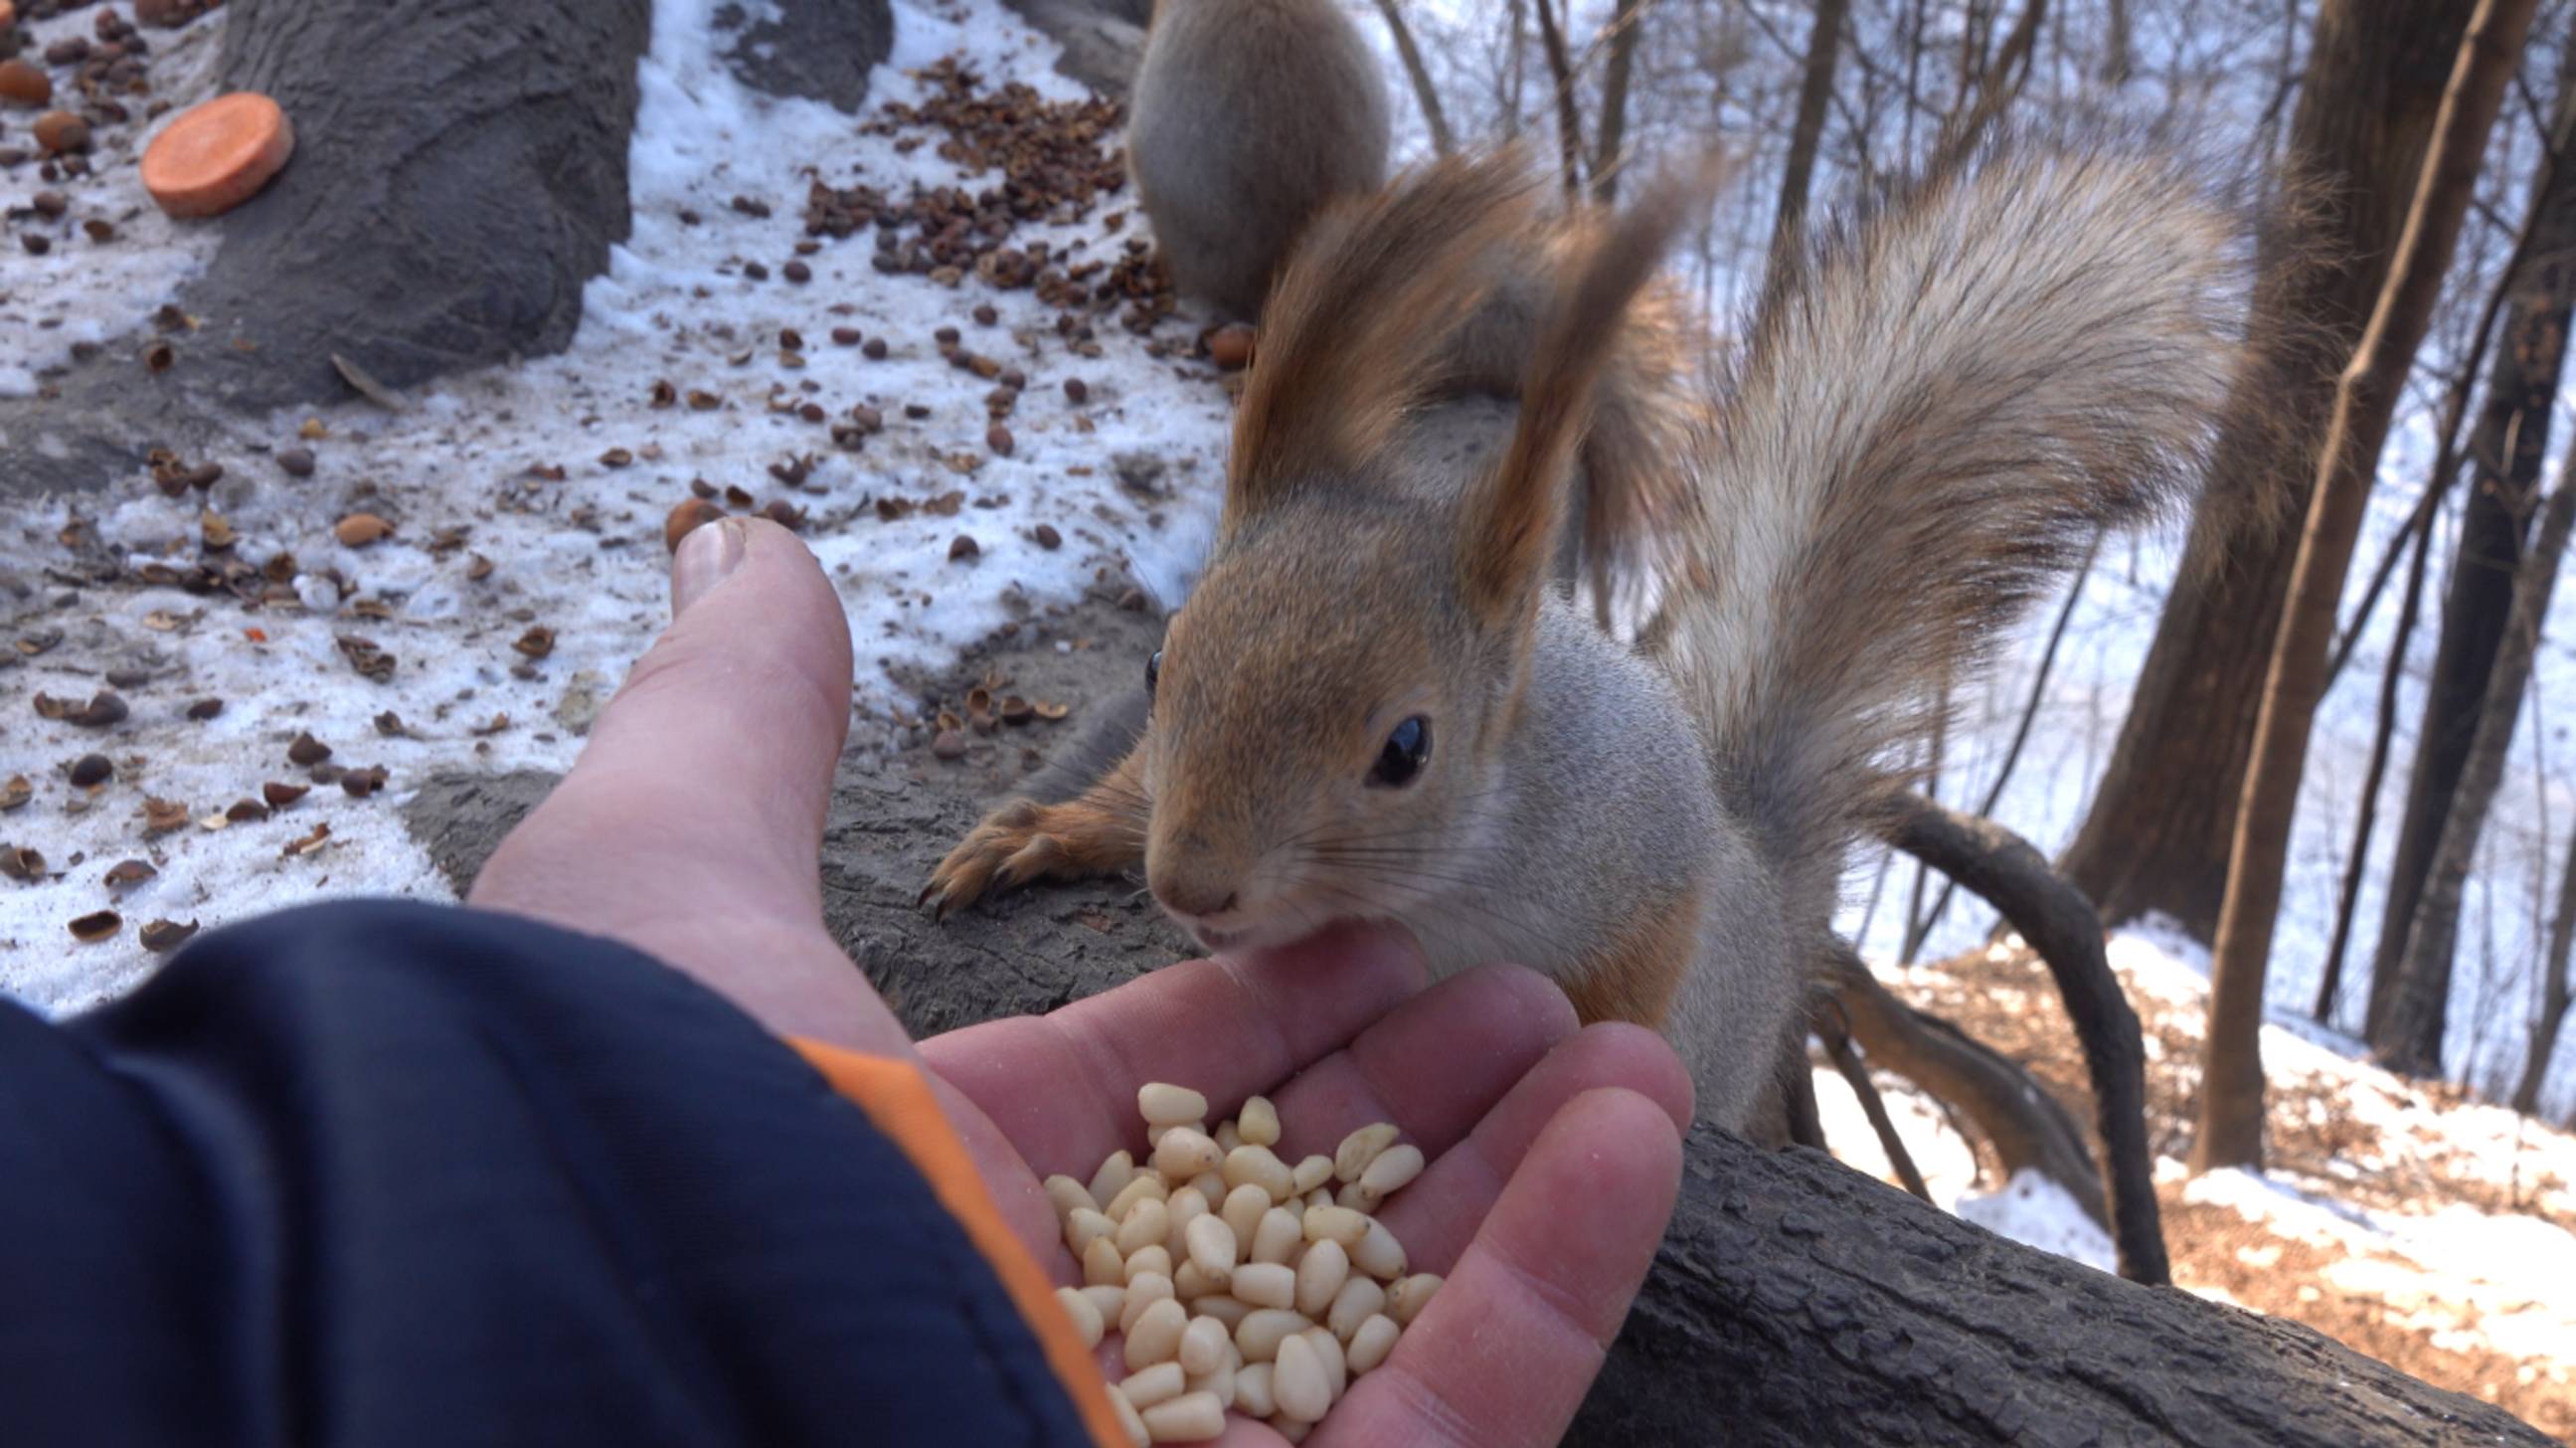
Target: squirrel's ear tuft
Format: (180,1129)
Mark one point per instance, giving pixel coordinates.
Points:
(1351,330)
(1515,512)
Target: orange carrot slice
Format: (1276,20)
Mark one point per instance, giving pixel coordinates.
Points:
(217,155)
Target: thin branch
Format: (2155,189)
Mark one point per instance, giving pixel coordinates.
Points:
(1423,90)
(1835,1031)
(1569,120)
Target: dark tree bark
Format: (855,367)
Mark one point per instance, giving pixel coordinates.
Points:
(2408,1036)
(1569,113)
(2231,1098)
(1797,176)
(2158,833)
(2054,917)
(2554,994)
(2330,982)
(1607,162)
(1424,92)
(2504,458)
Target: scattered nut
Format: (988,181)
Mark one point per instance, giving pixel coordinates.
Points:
(691,515)
(359,530)
(307,751)
(99,925)
(163,936)
(91,769)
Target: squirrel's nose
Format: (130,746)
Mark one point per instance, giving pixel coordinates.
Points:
(1192,882)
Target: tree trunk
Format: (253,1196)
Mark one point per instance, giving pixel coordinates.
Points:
(2158,833)
(2554,994)
(1625,22)
(1569,112)
(2504,456)
(2409,1036)
(1824,48)
(2231,1101)
(1424,91)
(1794,1302)
(2330,984)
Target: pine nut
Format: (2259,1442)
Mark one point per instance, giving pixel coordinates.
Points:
(1160,1102)
(1312,1173)
(1360,1148)
(1243,1209)
(1298,1382)
(1277,1236)
(1259,1333)
(1260,1166)
(1258,1122)
(1406,1299)
(1186,1206)
(1356,1197)
(1147,1187)
(1225,1308)
(1218,1380)
(1086,1318)
(1203,1345)
(1227,1135)
(1156,1335)
(1328,1350)
(1183,1153)
(1392,1170)
(1290,1429)
(1319,1197)
(1083,1226)
(1148,1289)
(1129,1420)
(1109,1302)
(1252,1390)
(1158,1384)
(1370,1345)
(1113,1176)
(1194,1281)
(1154,1134)
(1320,1276)
(1211,1244)
(1068,1194)
(1357,1302)
(1334,1224)
(1265,1284)
(1145,1224)
(1379,1254)
(1102,1266)
(1189,1418)
(1209,1184)
(1155,1259)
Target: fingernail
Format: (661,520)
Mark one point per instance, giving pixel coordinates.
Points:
(707,557)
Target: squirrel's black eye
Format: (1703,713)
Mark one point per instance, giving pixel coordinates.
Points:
(1153,672)
(1403,755)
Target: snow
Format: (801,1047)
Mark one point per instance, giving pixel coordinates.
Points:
(84,291)
(583,555)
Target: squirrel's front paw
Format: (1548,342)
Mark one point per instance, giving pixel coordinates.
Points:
(1012,847)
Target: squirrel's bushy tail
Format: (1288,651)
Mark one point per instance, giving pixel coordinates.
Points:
(1937,407)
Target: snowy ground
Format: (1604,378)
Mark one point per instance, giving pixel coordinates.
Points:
(491,541)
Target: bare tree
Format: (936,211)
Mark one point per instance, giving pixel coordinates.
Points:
(2504,457)
(1824,43)
(1625,22)
(2231,1099)
(2330,982)
(2159,830)
(2408,1037)
(2554,993)
(1424,91)
(1569,115)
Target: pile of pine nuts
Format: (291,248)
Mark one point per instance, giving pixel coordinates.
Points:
(1238,1282)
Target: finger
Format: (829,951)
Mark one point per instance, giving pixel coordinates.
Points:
(691,825)
(1062,1087)
(1507,1348)
(1439,1213)
(1433,1067)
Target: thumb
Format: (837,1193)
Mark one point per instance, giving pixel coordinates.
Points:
(692,823)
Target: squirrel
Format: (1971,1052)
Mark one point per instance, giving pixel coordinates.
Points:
(1373,705)
(1248,118)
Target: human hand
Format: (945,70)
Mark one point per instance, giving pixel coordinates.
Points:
(691,828)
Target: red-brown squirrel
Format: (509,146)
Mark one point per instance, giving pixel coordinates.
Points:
(1374,704)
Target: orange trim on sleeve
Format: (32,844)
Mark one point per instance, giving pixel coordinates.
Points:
(899,1101)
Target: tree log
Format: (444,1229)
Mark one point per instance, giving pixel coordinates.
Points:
(1795,1300)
